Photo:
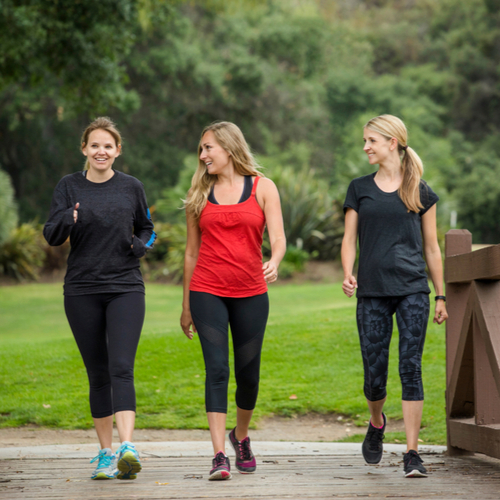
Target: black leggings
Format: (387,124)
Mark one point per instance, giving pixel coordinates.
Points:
(374,318)
(248,317)
(107,327)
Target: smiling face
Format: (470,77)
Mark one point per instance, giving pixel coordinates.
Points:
(215,157)
(377,147)
(101,150)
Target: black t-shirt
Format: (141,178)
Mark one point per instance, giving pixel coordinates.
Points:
(101,260)
(391,262)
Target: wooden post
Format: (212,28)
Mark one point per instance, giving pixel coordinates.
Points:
(457,242)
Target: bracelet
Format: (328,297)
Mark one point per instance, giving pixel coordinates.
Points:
(440,297)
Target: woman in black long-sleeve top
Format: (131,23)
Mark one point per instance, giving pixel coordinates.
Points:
(105,214)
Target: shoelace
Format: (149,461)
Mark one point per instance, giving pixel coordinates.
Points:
(104,460)
(219,459)
(375,436)
(123,448)
(244,447)
(414,459)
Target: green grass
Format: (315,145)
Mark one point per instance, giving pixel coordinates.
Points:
(311,350)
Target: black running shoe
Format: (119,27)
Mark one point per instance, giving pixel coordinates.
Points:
(413,465)
(372,445)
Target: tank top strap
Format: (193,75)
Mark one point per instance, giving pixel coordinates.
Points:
(255,182)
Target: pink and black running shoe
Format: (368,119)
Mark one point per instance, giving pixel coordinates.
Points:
(245,459)
(221,468)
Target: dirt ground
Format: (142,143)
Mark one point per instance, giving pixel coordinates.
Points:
(311,427)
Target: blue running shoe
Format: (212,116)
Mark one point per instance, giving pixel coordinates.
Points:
(106,468)
(129,463)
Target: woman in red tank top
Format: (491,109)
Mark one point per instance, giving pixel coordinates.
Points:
(225,282)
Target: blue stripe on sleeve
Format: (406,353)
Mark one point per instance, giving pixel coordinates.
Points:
(149,244)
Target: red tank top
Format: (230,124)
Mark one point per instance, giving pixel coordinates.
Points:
(230,259)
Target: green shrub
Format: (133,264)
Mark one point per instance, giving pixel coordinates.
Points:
(313,218)
(169,207)
(294,261)
(169,248)
(8,208)
(22,255)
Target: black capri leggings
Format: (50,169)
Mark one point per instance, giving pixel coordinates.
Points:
(374,318)
(107,327)
(248,317)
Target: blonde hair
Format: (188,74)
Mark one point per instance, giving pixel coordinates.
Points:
(231,139)
(391,126)
(101,123)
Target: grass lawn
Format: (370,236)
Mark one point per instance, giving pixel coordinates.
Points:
(311,350)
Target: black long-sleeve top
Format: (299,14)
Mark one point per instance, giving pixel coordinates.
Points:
(112,216)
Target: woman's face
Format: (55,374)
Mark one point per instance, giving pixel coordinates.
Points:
(101,150)
(377,147)
(213,155)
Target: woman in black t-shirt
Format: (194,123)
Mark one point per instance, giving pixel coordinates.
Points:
(393,211)
(105,214)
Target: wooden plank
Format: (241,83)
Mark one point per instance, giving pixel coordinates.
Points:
(482,264)
(457,296)
(304,477)
(457,242)
(465,434)
(460,389)
(487,398)
(488,314)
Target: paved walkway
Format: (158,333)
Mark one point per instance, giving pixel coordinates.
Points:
(178,470)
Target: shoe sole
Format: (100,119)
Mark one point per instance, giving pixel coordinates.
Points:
(220,475)
(102,475)
(129,466)
(415,473)
(244,470)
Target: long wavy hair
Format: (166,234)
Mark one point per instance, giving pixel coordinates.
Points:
(231,139)
(391,126)
(101,123)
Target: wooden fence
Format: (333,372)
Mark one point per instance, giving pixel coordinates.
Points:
(472,346)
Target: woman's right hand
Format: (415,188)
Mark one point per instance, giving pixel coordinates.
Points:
(187,324)
(75,212)
(349,285)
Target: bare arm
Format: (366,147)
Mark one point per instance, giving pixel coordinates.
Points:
(348,251)
(269,200)
(434,262)
(190,257)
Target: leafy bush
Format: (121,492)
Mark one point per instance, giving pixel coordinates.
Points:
(313,218)
(294,261)
(169,206)
(21,256)
(56,257)
(170,247)
(8,208)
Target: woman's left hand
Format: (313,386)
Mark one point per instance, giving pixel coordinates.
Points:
(440,316)
(270,271)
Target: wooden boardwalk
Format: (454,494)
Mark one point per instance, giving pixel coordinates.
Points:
(279,477)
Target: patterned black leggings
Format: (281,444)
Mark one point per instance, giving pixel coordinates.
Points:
(374,318)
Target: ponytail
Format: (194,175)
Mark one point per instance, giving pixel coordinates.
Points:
(413,169)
